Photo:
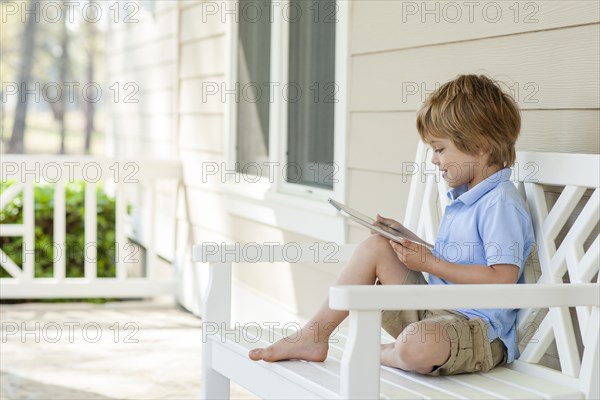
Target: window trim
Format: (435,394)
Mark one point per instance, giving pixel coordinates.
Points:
(274,195)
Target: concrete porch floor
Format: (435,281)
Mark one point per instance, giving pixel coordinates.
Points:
(121,350)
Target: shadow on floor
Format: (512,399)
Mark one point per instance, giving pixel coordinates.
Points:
(15,387)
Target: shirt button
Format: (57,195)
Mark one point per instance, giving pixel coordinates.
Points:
(448,216)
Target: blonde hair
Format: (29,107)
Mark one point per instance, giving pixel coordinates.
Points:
(476,115)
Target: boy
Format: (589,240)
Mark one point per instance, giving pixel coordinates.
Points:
(484,238)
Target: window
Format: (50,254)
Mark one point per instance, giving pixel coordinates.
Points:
(253,75)
(310,119)
(286,77)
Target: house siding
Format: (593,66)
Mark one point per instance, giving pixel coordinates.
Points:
(143,54)
(142,57)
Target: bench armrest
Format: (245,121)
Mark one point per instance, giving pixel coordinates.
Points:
(421,297)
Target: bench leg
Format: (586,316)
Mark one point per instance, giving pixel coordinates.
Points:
(214,385)
(361,360)
(217,309)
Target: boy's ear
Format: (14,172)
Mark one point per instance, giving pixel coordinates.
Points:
(484,152)
(485,155)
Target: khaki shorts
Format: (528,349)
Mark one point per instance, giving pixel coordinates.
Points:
(470,348)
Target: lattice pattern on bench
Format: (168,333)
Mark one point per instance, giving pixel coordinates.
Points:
(568,247)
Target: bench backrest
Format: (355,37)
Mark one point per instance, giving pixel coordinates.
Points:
(561,191)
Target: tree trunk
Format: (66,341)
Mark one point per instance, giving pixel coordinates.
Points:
(89,107)
(63,68)
(16,144)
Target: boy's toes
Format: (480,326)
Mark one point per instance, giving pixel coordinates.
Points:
(256,354)
(262,354)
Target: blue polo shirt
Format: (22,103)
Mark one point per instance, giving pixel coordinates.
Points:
(487,225)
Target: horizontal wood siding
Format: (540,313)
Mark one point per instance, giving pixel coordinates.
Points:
(141,60)
(380,26)
(554,69)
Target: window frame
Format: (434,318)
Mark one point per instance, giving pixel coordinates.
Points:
(276,193)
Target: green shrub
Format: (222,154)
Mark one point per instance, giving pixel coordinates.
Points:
(75,244)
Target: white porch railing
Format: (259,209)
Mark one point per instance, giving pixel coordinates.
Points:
(120,178)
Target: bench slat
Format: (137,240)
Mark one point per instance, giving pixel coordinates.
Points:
(507,383)
(326,373)
(560,169)
(543,388)
(287,379)
(562,209)
(398,390)
(512,384)
(501,382)
(545,374)
(433,387)
(491,387)
(588,266)
(539,342)
(393,385)
(390,386)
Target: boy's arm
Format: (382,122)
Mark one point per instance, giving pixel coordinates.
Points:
(459,273)
(418,258)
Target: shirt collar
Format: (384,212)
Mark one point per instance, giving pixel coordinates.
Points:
(469,197)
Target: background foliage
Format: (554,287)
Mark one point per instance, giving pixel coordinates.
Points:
(75,243)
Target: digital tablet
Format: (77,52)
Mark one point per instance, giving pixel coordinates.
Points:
(380,228)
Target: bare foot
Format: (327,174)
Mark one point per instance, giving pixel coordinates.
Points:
(306,347)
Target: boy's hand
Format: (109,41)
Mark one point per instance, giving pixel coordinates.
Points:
(413,255)
(384,221)
(392,223)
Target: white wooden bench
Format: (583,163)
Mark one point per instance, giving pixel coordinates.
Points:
(568,250)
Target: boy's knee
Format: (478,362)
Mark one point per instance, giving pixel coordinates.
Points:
(411,358)
(409,345)
(416,347)
(377,243)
